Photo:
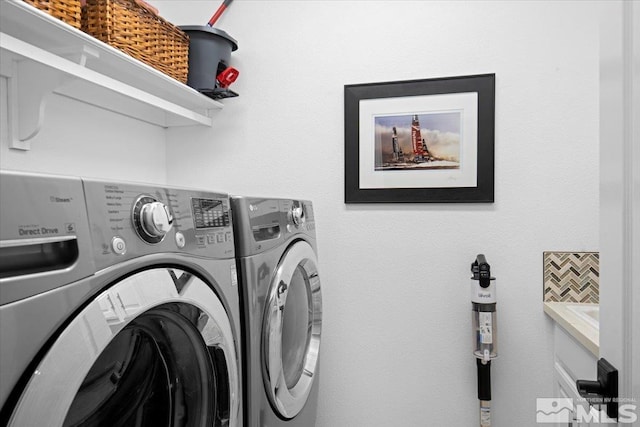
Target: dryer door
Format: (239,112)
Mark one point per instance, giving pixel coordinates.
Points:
(155,349)
(291,331)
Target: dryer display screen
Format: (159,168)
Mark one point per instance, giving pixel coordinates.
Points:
(209,213)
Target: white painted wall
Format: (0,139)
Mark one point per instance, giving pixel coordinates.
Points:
(82,140)
(396,344)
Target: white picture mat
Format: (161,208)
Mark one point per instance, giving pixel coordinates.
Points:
(465,176)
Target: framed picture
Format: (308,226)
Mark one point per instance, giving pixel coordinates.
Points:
(420,141)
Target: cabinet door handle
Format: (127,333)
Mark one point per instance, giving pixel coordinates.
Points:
(604,391)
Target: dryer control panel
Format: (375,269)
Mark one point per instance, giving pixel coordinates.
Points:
(262,224)
(131,220)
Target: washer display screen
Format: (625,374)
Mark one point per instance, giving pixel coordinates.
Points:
(209,213)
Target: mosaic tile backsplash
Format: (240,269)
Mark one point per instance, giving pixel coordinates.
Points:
(571,276)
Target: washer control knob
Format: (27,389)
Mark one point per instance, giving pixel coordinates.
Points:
(297,215)
(156,219)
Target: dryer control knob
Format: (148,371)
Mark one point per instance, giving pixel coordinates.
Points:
(156,219)
(297,215)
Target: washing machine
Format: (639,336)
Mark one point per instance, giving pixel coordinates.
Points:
(119,305)
(281,308)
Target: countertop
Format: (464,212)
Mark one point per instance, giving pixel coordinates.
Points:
(583,331)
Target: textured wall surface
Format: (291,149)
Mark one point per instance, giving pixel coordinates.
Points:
(396,346)
(80,139)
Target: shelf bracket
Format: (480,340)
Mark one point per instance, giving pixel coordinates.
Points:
(77,55)
(25,108)
(29,89)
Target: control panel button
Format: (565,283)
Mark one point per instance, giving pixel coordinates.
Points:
(211,239)
(227,236)
(200,240)
(220,237)
(180,239)
(118,245)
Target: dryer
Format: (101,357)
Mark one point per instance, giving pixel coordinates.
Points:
(282,310)
(119,305)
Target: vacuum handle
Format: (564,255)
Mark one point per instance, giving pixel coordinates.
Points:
(481,259)
(481,269)
(484,380)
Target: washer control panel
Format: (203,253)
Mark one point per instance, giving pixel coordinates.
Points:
(130,220)
(208,213)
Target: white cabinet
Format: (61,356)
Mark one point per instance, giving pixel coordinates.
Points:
(572,361)
(41,55)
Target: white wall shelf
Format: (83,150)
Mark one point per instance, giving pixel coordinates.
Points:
(41,55)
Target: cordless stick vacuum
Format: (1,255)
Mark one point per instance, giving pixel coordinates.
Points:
(485,345)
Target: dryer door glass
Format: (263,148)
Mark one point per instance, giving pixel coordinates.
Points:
(156,349)
(291,334)
(296,327)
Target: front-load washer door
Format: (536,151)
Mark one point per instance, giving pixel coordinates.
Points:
(155,349)
(291,330)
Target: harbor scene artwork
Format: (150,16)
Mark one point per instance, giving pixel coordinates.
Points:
(424,141)
(420,141)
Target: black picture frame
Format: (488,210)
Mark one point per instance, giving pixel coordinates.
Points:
(388,95)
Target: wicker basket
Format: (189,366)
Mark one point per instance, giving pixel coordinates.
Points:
(66,10)
(137,31)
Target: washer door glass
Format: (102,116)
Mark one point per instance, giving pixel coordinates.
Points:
(156,349)
(291,334)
